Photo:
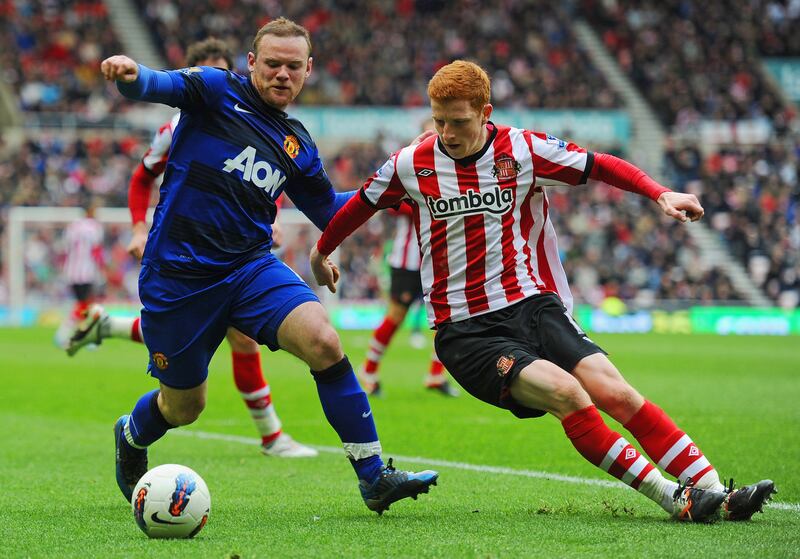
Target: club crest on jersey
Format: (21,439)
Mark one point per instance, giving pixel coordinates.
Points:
(506,168)
(291,146)
(260,173)
(497,201)
(504,364)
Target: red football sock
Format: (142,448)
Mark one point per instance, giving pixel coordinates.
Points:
(377,346)
(671,448)
(136,330)
(604,448)
(256,394)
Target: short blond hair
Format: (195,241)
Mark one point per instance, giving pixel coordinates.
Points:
(461,80)
(282,27)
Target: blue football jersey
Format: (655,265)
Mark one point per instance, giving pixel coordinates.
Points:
(232,155)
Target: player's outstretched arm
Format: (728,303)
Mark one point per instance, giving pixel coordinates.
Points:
(119,68)
(681,206)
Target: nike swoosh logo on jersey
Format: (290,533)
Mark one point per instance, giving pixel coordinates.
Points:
(157,520)
(239,109)
(366,414)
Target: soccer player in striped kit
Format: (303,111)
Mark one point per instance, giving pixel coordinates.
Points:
(498,296)
(83,267)
(207,263)
(245,352)
(405,287)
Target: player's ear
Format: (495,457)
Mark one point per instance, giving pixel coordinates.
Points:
(487,112)
(251,61)
(308,65)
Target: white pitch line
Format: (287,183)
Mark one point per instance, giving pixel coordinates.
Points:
(794,507)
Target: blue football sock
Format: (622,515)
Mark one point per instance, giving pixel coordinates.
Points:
(346,406)
(146,424)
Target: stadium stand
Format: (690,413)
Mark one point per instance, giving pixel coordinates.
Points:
(531,54)
(50,54)
(608,237)
(699,60)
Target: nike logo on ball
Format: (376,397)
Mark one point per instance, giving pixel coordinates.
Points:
(239,109)
(157,520)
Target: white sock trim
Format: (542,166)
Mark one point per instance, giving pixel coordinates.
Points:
(359,451)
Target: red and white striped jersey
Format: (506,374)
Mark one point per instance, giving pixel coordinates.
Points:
(405,244)
(485,234)
(155,158)
(84,241)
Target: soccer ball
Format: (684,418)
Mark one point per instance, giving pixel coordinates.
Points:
(171,501)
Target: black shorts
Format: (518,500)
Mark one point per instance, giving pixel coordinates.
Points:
(405,286)
(487,352)
(82,291)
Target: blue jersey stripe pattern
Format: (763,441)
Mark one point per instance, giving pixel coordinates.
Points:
(232,155)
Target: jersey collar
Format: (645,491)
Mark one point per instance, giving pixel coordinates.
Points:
(470,159)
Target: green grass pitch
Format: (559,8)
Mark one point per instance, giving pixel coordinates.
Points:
(738,397)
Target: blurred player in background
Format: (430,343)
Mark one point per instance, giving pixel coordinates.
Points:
(83,267)
(405,287)
(245,352)
(498,295)
(207,263)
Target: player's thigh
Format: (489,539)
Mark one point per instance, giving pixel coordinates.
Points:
(241,343)
(275,307)
(485,359)
(545,386)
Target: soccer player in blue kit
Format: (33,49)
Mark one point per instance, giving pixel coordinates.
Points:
(207,263)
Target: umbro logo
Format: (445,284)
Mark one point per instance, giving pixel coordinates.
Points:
(630,454)
(425,172)
(240,109)
(693,451)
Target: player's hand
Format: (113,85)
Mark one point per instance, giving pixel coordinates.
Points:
(119,68)
(277,235)
(325,272)
(138,240)
(422,137)
(681,206)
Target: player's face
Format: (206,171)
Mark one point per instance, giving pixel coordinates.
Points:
(214,63)
(461,128)
(280,69)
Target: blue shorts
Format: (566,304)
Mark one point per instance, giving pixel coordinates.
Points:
(184,319)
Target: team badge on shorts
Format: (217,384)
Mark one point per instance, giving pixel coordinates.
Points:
(160,360)
(504,364)
(291,146)
(506,168)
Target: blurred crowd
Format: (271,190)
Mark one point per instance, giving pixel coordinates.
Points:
(692,60)
(50,54)
(751,195)
(383,52)
(696,59)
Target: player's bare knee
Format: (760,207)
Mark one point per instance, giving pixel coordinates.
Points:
(619,400)
(567,395)
(323,348)
(183,412)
